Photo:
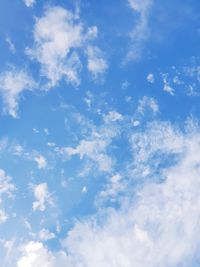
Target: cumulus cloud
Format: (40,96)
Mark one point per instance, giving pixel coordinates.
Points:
(12,83)
(43,197)
(59,39)
(140,32)
(36,254)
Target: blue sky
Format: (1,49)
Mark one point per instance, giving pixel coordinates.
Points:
(100,135)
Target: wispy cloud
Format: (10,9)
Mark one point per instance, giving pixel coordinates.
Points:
(140,32)
(12,84)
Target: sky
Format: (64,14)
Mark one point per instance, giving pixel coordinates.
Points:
(99,133)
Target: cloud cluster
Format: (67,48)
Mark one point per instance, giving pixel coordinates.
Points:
(94,148)
(60,38)
(156,225)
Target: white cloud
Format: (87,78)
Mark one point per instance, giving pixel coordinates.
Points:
(11,45)
(29,3)
(3,216)
(156,224)
(147,103)
(140,32)
(41,162)
(167,88)
(95,150)
(36,254)
(164,218)
(42,196)
(12,84)
(113,188)
(18,150)
(84,190)
(150,78)
(57,48)
(113,116)
(6,186)
(45,235)
(97,65)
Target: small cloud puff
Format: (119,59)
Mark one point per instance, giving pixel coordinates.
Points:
(42,196)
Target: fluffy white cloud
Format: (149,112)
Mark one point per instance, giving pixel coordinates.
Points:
(35,254)
(140,32)
(161,227)
(150,78)
(12,84)
(42,196)
(29,3)
(41,162)
(59,37)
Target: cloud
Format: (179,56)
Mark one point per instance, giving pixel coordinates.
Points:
(45,235)
(58,48)
(113,116)
(41,162)
(140,33)
(94,148)
(42,196)
(29,3)
(167,88)
(36,254)
(6,185)
(12,83)
(150,78)
(147,103)
(11,45)
(156,224)
(3,216)
(97,65)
